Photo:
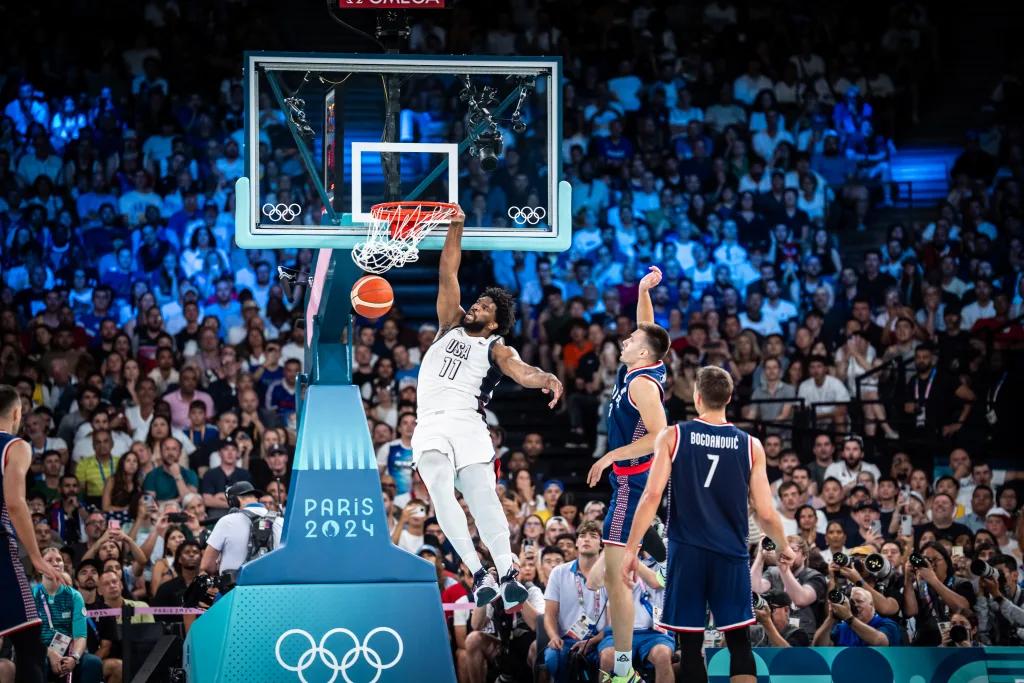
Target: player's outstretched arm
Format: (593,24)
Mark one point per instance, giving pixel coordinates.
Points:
(513,367)
(644,305)
(646,395)
(19,457)
(657,480)
(449,297)
(761,496)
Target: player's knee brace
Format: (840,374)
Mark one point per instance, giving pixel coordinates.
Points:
(31,655)
(741,657)
(691,663)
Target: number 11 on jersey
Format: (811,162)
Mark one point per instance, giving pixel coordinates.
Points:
(449,367)
(714,465)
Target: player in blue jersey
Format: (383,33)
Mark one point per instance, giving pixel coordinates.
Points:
(712,469)
(19,620)
(636,414)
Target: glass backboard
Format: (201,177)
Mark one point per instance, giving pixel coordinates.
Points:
(329,136)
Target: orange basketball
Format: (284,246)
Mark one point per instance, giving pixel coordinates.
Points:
(372,296)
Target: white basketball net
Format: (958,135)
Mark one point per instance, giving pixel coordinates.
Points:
(395,231)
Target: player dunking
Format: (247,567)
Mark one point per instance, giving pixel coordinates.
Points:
(19,620)
(451,445)
(636,415)
(710,466)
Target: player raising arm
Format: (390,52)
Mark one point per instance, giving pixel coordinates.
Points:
(710,466)
(451,445)
(635,416)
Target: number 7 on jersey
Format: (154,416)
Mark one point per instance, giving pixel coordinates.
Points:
(714,465)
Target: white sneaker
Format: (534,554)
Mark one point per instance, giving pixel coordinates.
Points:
(513,593)
(485,588)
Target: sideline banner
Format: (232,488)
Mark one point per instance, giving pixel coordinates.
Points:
(877,665)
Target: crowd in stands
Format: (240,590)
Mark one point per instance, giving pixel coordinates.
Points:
(158,363)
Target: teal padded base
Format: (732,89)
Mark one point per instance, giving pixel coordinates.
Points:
(337,602)
(267,634)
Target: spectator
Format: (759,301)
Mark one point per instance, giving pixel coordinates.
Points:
(822,388)
(181,399)
(217,479)
(170,481)
(94,471)
(111,589)
(848,470)
(281,394)
(574,612)
(942,525)
(63,608)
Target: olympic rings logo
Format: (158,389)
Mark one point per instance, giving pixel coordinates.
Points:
(348,660)
(526,214)
(277,212)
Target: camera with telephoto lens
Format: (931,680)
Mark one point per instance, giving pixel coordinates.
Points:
(759,601)
(198,591)
(918,561)
(837,596)
(768,545)
(841,559)
(958,633)
(983,570)
(878,566)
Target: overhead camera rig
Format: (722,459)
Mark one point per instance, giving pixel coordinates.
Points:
(489,142)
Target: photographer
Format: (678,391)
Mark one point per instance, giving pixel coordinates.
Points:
(1000,605)
(852,622)
(231,543)
(805,586)
(883,584)
(774,628)
(502,639)
(931,592)
(962,631)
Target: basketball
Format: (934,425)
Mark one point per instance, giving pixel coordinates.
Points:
(372,296)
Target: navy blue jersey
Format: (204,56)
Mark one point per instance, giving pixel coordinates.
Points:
(624,422)
(6,440)
(708,487)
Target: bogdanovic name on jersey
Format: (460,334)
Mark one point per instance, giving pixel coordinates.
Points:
(714,441)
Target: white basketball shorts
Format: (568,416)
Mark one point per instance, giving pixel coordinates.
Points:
(460,434)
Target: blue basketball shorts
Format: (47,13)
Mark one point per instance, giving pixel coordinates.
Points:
(17,608)
(626,492)
(699,579)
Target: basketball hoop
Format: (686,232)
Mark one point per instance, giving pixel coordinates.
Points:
(394,232)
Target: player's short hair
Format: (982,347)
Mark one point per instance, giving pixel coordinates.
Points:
(8,399)
(588,527)
(658,340)
(714,386)
(504,308)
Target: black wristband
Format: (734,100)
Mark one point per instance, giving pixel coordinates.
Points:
(849,620)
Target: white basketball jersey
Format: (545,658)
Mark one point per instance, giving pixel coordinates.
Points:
(457,373)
